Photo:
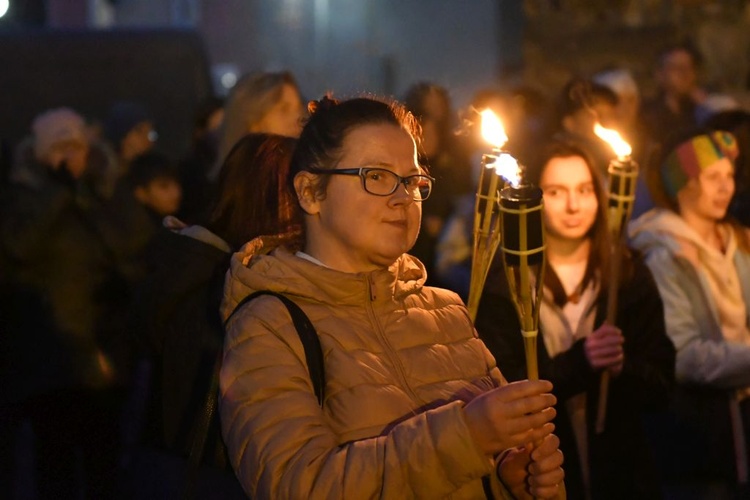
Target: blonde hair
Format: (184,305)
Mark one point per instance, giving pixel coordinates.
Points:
(250,100)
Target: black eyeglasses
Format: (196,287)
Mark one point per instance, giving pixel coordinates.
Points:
(382,182)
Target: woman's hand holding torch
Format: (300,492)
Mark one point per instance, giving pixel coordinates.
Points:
(623,174)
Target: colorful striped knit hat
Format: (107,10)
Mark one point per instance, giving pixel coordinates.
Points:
(689,158)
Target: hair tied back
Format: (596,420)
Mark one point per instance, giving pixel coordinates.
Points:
(324,104)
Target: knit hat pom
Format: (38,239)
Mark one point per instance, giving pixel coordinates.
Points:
(689,158)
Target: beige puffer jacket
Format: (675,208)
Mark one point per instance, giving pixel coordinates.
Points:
(401,360)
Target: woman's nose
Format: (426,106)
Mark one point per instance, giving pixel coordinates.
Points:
(572,202)
(401,196)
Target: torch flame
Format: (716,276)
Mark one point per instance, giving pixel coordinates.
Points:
(492,129)
(621,148)
(507,167)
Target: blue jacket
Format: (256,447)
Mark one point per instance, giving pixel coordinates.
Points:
(707,412)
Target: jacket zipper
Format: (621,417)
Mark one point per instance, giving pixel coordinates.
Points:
(390,351)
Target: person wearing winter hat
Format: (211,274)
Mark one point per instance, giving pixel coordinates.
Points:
(701,263)
(129,127)
(70,262)
(60,141)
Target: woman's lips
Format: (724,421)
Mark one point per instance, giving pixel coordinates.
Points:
(398,223)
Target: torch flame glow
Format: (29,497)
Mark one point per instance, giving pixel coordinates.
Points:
(621,148)
(492,129)
(507,167)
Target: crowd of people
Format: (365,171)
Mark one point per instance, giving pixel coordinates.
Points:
(281,313)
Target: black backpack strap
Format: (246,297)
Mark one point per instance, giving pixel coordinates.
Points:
(313,355)
(307,335)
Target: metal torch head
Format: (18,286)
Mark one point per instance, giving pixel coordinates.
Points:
(522,225)
(623,176)
(523,249)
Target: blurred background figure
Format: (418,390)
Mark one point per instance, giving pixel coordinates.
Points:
(524,112)
(672,112)
(673,109)
(581,104)
(178,315)
(194,169)
(260,103)
(446,159)
(156,185)
(623,84)
(129,128)
(68,275)
(701,263)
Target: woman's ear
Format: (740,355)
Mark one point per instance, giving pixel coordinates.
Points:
(305,187)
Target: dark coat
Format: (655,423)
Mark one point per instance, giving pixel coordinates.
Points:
(620,458)
(178,310)
(69,262)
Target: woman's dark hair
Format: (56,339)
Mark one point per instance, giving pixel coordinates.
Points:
(582,93)
(597,266)
(150,165)
(253,198)
(331,121)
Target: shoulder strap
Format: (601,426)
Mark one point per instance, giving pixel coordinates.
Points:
(313,356)
(307,335)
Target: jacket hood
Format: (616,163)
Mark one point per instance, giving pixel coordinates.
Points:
(662,228)
(265,263)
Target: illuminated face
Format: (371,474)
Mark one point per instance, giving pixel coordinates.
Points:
(162,195)
(284,117)
(353,230)
(570,204)
(708,195)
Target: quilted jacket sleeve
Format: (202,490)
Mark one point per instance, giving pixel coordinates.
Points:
(281,446)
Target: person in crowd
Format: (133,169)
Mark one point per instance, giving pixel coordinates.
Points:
(701,263)
(628,124)
(69,267)
(195,167)
(405,375)
(129,129)
(522,109)
(737,122)
(178,306)
(626,117)
(673,109)
(260,103)
(576,344)
(582,104)
(446,159)
(156,185)
(622,82)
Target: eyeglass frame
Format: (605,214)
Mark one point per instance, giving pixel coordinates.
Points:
(362,171)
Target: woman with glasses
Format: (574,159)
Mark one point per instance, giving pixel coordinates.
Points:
(413,403)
